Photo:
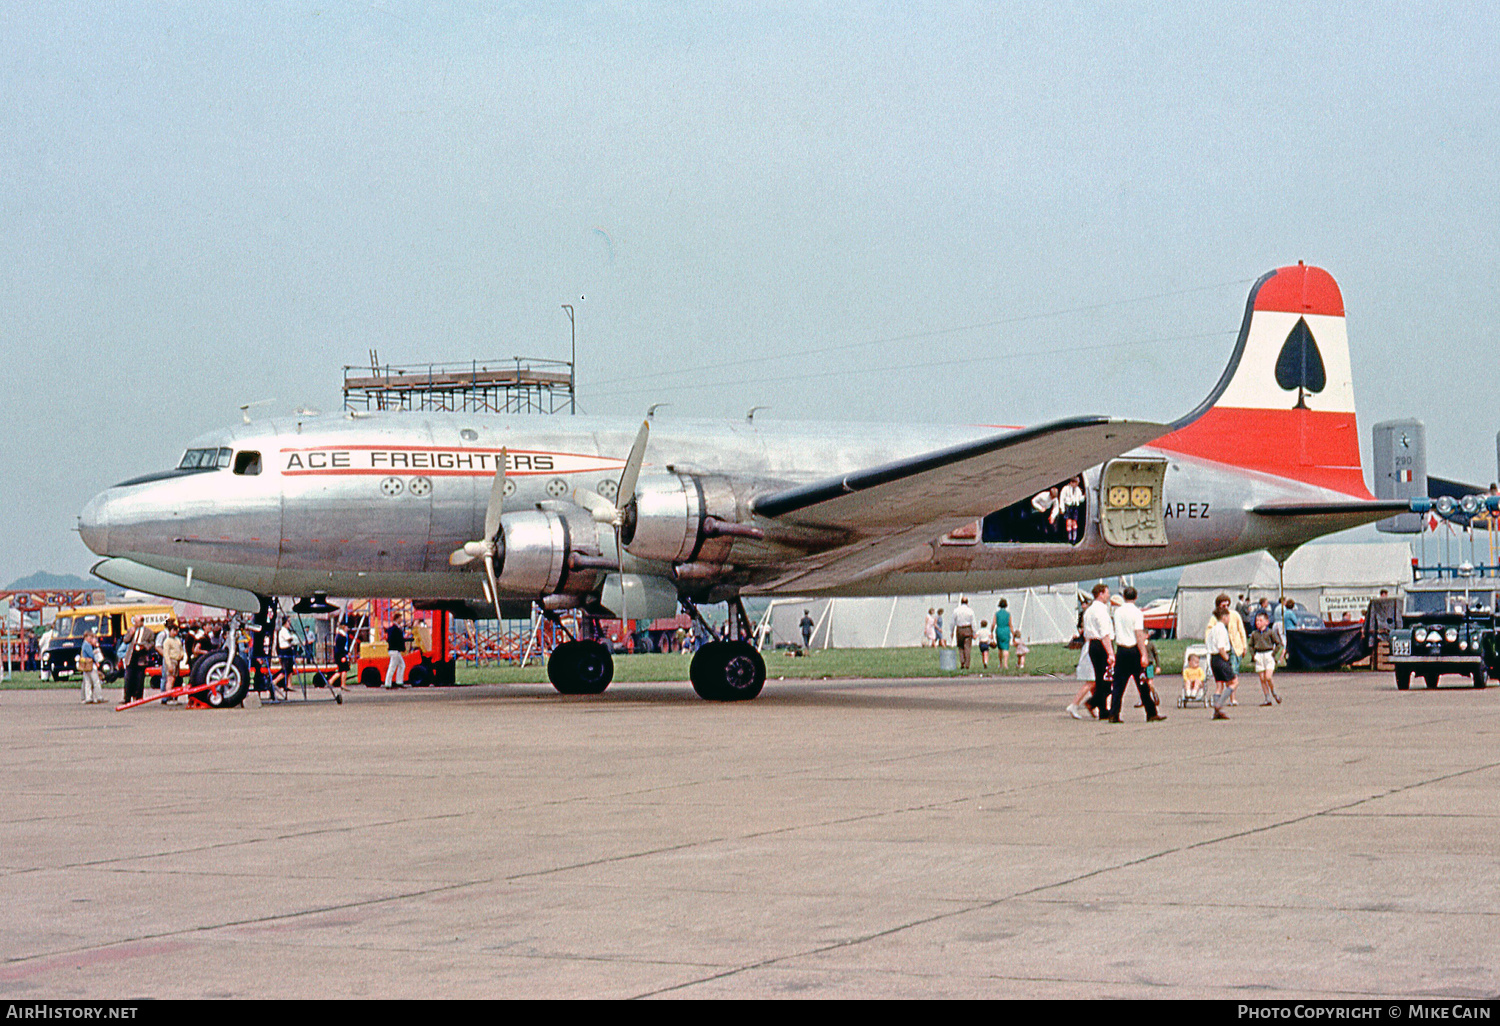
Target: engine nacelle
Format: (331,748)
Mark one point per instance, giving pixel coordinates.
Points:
(683,518)
(547,552)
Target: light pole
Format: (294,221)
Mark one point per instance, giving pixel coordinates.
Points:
(572,363)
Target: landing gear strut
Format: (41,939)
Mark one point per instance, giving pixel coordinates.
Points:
(727,671)
(579,666)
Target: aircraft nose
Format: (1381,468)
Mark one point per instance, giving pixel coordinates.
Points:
(93,524)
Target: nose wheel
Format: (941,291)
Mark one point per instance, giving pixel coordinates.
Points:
(581,668)
(227,678)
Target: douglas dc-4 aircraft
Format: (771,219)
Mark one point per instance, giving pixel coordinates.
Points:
(489,514)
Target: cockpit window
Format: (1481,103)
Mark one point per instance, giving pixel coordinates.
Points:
(204,459)
(196,459)
(247,462)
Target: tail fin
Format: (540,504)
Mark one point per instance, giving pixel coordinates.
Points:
(1285,405)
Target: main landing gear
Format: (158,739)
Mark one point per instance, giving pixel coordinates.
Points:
(579,666)
(721,671)
(727,671)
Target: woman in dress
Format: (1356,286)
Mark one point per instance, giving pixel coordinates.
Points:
(1002,635)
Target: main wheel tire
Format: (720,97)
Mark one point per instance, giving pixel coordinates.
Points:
(1403,679)
(727,671)
(1430,679)
(581,668)
(229,680)
(1481,676)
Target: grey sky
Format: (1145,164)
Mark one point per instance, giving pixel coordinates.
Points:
(206,205)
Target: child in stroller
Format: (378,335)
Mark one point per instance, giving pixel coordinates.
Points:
(1193,692)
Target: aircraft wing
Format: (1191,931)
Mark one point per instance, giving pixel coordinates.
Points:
(897,510)
(964,481)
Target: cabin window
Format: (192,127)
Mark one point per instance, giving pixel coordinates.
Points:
(247,462)
(1055,516)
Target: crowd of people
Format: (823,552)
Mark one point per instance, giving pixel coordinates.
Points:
(998,634)
(1120,650)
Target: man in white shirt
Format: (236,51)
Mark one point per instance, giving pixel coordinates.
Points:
(1099,639)
(1130,645)
(963,631)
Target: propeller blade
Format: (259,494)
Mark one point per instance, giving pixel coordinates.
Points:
(632,469)
(458,557)
(497,499)
(601,509)
(494,585)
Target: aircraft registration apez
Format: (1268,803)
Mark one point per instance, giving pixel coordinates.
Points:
(490,514)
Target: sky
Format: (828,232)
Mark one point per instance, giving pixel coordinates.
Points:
(944,213)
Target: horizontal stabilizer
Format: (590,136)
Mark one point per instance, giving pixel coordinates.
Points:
(1376,509)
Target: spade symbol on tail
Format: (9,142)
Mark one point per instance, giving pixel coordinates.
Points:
(1300,365)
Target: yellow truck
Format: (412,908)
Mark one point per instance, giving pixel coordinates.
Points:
(110,622)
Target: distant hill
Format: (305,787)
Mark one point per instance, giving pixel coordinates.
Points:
(42,579)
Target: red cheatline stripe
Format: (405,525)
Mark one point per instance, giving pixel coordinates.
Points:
(428,472)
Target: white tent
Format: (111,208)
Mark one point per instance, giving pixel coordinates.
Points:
(1039,614)
(1328,579)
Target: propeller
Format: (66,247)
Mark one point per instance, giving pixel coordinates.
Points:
(613,513)
(486,547)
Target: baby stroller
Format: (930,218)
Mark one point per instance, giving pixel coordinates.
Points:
(1195,694)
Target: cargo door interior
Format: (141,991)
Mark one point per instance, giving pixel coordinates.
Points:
(1130,503)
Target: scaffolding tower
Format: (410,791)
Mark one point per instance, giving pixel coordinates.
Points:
(519,384)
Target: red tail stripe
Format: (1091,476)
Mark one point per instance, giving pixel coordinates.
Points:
(1303,290)
(1313,446)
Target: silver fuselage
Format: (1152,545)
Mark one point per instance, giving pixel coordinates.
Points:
(372,505)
